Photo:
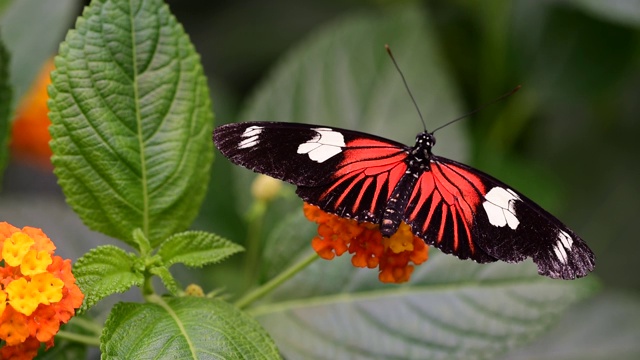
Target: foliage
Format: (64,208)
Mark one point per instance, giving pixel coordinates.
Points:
(133,155)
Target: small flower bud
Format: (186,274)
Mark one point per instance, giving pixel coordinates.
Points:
(194,290)
(265,188)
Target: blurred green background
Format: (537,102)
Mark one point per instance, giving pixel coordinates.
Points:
(568,139)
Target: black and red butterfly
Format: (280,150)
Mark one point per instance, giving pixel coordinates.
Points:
(458,209)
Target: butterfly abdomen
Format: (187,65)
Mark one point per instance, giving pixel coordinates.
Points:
(397,203)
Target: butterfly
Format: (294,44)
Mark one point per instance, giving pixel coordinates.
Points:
(452,206)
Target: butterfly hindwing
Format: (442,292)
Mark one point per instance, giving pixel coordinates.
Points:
(442,210)
(510,227)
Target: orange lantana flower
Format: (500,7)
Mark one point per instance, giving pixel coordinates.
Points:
(30,130)
(37,291)
(392,256)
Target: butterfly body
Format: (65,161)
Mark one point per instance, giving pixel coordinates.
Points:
(417,162)
(449,205)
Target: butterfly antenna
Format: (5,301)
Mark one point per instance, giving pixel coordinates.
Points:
(501,97)
(386,46)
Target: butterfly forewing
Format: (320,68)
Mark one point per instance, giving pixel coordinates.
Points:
(368,172)
(344,172)
(296,153)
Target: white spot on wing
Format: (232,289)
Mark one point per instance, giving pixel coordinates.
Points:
(566,240)
(499,205)
(326,144)
(563,246)
(560,252)
(250,137)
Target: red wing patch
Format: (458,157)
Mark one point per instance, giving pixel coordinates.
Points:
(442,206)
(366,176)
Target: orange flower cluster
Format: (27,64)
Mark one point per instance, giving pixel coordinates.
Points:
(37,291)
(30,130)
(391,255)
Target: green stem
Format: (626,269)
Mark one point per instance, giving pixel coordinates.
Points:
(263,290)
(86,324)
(252,259)
(78,338)
(147,287)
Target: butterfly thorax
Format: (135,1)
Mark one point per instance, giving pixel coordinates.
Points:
(418,161)
(420,155)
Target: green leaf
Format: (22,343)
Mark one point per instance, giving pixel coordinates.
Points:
(106,270)
(449,309)
(131,121)
(605,327)
(30,42)
(167,279)
(184,328)
(5,109)
(196,248)
(143,243)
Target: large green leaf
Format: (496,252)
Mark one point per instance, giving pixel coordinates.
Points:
(131,121)
(604,327)
(184,328)
(450,309)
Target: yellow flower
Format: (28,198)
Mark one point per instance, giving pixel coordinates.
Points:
(16,247)
(37,291)
(392,256)
(49,286)
(23,296)
(35,262)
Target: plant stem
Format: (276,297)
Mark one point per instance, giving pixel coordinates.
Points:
(86,324)
(147,287)
(263,290)
(252,259)
(78,338)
